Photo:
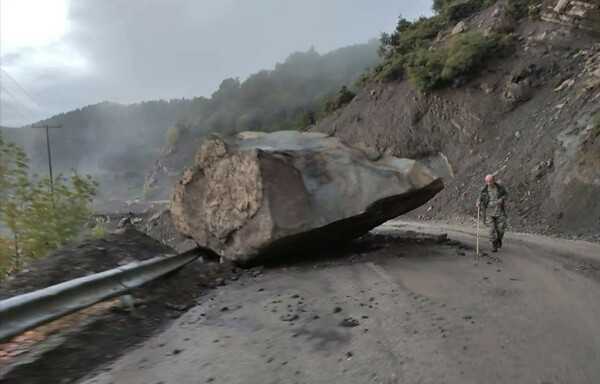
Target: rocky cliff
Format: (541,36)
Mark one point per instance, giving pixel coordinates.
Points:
(533,117)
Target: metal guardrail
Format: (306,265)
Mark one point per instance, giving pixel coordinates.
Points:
(21,313)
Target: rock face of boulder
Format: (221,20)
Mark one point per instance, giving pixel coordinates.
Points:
(256,195)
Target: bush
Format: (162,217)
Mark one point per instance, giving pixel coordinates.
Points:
(39,220)
(99,232)
(465,53)
(7,257)
(393,69)
(596,120)
(364,79)
(460,58)
(425,69)
(534,13)
(518,9)
(455,11)
(418,35)
(331,104)
(148,193)
(171,136)
(439,5)
(409,42)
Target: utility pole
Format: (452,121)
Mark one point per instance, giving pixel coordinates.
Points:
(46,126)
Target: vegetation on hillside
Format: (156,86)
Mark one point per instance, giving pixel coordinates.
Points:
(305,87)
(459,58)
(596,120)
(595,124)
(38,220)
(412,50)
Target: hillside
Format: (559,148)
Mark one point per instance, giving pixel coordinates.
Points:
(294,95)
(117,144)
(532,115)
(109,141)
(511,86)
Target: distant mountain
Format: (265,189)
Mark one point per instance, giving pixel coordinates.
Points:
(294,95)
(100,137)
(117,144)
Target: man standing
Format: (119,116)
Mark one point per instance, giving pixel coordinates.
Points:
(492,198)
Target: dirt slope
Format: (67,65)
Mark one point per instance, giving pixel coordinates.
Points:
(528,116)
(64,350)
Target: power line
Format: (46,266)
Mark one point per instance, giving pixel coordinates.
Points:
(13,109)
(25,92)
(19,102)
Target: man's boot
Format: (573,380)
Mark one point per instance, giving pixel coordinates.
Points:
(499,243)
(494,246)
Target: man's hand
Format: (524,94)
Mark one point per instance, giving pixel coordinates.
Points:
(500,201)
(477,203)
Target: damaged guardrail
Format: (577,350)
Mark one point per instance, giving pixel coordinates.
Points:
(21,313)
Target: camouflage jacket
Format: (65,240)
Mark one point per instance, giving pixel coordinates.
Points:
(484,198)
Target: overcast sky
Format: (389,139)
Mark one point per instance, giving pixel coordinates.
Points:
(67,54)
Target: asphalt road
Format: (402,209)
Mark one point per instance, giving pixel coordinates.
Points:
(415,311)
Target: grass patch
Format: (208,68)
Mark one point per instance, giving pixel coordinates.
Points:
(335,102)
(596,125)
(518,9)
(596,120)
(99,232)
(458,60)
(148,193)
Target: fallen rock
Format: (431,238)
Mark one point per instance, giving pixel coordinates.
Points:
(460,27)
(123,222)
(561,5)
(154,218)
(257,194)
(517,92)
(289,317)
(349,322)
(565,84)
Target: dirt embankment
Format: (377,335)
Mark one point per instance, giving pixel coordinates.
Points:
(66,349)
(528,116)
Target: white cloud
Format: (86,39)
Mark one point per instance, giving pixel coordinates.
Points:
(31,23)
(78,52)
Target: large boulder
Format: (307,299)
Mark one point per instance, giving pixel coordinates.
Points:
(256,195)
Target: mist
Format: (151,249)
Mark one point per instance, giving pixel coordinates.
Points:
(118,144)
(120,73)
(127,52)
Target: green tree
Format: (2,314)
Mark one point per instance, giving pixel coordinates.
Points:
(291,96)
(39,220)
(172,135)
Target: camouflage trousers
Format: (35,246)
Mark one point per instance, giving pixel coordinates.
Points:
(496,226)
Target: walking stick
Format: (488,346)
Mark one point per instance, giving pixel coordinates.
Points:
(478,209)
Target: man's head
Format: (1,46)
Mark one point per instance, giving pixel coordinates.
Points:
(489,180)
